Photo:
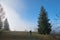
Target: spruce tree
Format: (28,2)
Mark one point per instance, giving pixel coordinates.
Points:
(44,27)
(0,23)
(2,16)
(6,25)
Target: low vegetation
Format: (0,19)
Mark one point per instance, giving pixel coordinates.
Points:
(7,35)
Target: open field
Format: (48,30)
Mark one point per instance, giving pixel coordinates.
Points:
(26,36)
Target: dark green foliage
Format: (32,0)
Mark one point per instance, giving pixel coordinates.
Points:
(44,27)
(0,23)
(6,25)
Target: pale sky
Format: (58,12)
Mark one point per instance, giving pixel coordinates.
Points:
(16,22)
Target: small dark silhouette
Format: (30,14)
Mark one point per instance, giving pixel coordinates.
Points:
(30,33)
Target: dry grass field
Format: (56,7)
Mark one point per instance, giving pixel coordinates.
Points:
(7,35)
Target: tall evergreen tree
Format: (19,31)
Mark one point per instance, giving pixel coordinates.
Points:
(0,23)
(2,16)
(44,27)
(6,25)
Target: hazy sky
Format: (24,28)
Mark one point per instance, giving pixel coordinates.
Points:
(23,14)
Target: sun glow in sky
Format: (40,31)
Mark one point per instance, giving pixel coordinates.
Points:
(14,18)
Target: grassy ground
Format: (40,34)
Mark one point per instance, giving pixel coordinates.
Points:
(26,36)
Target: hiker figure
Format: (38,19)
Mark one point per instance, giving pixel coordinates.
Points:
(30,32)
